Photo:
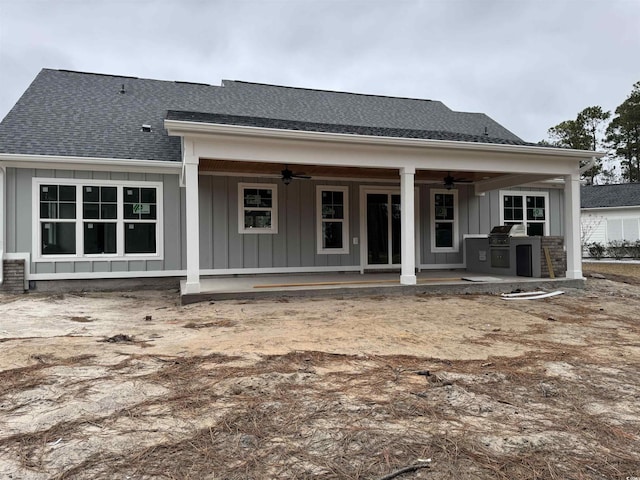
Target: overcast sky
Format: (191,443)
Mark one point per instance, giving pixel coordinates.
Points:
(529,64)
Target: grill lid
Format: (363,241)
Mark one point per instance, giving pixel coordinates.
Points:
(516,230)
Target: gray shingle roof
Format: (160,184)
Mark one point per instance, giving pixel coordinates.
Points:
(335,128)
(602,196)
(80,114)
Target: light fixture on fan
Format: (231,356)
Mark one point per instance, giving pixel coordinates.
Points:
(288,175)
(449,181)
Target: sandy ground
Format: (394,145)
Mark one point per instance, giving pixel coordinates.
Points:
(133,385)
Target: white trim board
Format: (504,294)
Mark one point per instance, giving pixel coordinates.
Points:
(182,273)
(120,255)
(344,221)
(89,163)
(201,129)
(524,194)
(363,240)
(455,247)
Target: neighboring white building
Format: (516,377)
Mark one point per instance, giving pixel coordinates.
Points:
(610,212)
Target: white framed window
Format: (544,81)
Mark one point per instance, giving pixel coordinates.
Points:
(528,208)
(332,219)
(96,219)
(444,221)
(623,229)
(257,208)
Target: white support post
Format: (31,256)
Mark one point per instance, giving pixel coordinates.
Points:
(407,222)
(572,226)
(192,284)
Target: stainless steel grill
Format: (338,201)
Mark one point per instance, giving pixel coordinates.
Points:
(500,244)
(501,234)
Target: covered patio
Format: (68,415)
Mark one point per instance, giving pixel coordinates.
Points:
(406,171)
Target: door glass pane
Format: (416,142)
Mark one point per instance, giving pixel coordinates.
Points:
(377,229)
(395,229)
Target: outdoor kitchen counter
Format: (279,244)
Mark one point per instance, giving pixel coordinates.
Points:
(481,257)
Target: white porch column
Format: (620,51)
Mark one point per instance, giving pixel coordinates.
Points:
(407,222)
(572,226)
(192,224)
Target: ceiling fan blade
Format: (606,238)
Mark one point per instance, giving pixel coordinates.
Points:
(450,180)
(288,175)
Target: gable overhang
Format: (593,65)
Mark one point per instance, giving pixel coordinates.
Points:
(516,164)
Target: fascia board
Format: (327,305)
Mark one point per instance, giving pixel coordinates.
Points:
(88,163)
(185,128)
(625,207)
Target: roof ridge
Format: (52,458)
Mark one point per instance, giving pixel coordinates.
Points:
(331,91)
(64,70)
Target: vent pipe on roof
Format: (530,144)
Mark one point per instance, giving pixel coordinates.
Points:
(486,131)
(122,90)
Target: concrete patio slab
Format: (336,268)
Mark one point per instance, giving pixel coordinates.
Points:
(356,284)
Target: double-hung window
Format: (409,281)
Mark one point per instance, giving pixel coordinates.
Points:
(140,215)
(257,208)
(444,221)
(96,219)
(528,208)
(58,219)
(100,215)
(332,219)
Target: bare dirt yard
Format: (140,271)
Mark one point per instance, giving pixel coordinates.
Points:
(132,385)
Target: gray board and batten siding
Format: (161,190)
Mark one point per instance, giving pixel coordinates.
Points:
(294,246)
(20,219)
(222,247)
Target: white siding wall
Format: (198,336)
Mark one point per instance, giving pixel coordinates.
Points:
(615,224)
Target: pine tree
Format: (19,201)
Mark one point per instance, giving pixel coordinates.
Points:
(623,135)
(583,133)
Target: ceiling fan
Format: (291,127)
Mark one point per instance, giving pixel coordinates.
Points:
(288,175)
(449,181)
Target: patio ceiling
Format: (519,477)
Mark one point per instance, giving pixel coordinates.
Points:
(323,171)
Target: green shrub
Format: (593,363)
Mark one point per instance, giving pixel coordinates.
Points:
(596,250)
(618,249)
